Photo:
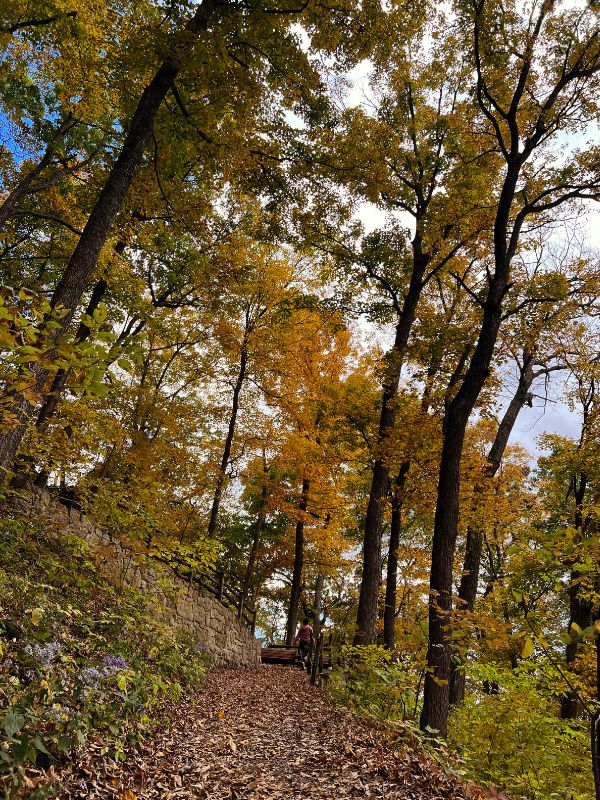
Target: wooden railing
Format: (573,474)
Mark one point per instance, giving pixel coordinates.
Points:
(227,588)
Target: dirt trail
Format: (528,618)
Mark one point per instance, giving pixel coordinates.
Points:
(266,733)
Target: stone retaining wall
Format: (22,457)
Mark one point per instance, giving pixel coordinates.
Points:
(215,627)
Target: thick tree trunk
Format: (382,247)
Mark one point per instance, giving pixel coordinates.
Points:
(469,581)
(235,405)
(389,613)
(366,618)
(292,619)
(77,274)
(436,696)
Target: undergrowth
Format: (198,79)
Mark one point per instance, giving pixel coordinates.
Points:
(80,656)
(511,741)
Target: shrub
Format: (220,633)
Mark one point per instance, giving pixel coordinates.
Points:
(515,741)
(367,681)
(79,655)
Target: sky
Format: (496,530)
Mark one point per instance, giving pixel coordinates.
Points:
(550,413)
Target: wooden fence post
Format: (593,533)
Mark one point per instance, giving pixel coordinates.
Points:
(317,665)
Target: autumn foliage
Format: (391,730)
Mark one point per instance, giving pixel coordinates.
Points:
(283,286)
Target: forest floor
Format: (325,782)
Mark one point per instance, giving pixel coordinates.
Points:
(266,733)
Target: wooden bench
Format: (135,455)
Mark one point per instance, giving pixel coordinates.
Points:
(280,654)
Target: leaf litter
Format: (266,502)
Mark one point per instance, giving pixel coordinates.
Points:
(263,734)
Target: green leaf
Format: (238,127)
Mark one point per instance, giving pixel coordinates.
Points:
(100,389)
(13,723)
(19,749)
(64,744)
(38,743)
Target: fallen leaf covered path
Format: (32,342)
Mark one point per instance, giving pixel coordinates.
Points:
(266,733)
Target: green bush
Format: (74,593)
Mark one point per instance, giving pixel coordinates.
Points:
(79,655)
(367,681)
(515,741)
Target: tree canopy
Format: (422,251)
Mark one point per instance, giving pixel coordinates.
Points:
(287,289)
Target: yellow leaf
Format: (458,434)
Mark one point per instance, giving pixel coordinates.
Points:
(526,647)
(36,615)
(128,795)
(221,714)
(575,630)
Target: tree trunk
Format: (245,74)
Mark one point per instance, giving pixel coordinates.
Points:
(292,619)
(317,642)
(25,185)
(595,722)
(580,608)
(317,614)
(366,618)
(77,274)
(469,581)
(595,749)
(258,529)
(434,715)
(235,404)
(389,613)
(318,602)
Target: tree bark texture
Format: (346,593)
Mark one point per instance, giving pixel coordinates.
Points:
(292,619)
(258,529)
(389,612)
(235,405)
(366,618)
(434,715)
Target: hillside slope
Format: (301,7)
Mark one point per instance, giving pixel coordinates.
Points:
(83,658)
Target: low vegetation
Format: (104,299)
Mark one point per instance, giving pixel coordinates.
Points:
(82,656)
(507,736)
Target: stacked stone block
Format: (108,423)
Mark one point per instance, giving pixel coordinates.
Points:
(215,628)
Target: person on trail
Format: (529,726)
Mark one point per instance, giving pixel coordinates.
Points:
(304,639)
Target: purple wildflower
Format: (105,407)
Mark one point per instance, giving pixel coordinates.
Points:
(91,676)
(44,654)
(114,664)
